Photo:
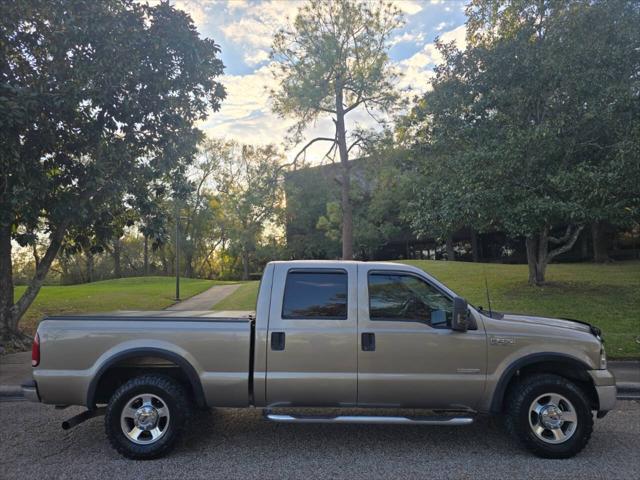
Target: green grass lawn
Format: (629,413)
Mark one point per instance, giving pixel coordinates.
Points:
(244,298)
(606,295)
(137,293)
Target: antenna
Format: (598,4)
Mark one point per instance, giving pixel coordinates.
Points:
(486,287)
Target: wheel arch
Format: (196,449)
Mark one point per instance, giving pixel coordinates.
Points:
(180,362)
(557,363)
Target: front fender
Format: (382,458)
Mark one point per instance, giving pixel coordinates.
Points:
(500,380)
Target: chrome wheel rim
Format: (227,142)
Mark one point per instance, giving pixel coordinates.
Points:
(145,419)
(553,418)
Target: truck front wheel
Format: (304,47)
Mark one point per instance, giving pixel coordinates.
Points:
(549,415)
(145,416)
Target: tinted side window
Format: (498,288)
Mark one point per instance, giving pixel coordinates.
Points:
(407,298)
(317,294)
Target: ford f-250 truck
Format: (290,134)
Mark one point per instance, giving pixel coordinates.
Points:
(329,334)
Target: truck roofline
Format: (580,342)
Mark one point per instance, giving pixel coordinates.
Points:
(371,265)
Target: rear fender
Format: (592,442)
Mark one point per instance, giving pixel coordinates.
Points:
(181,362)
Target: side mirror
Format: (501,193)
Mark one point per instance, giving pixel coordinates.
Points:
(459,323)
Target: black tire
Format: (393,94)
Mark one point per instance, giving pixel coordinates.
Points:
(174,397)
(519,417)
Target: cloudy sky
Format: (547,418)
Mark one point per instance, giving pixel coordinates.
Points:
(244,29)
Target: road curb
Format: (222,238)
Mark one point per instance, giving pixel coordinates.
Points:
(11,391)
(626,389)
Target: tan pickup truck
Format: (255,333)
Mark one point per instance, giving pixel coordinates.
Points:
(345,335)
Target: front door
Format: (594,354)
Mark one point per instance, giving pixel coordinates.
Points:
(408,355)
(312,336)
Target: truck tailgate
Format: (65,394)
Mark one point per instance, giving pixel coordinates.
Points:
(75,350)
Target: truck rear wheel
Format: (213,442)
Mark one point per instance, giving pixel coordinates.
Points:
(145,416)
(550,416)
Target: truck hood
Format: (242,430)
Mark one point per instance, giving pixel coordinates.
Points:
(549,322)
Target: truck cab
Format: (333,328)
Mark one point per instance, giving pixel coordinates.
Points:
(365,334)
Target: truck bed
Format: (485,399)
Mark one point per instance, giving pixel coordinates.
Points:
(216,345)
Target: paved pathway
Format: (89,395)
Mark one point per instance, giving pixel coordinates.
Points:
(207,299)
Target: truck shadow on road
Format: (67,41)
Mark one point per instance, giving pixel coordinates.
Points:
(230,443)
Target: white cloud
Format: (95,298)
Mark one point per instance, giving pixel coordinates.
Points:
(195,8)
(407,37)
(256,26)
(458,35)
(233,5)
(250,32)
(409,7)
(258,22)
(246,114)
(417,70)
(441,26)
(256,58)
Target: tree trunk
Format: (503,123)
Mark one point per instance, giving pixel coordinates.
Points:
(146,255)
(36,256)
(163,260)
(584,247)
(245,264)
(117,269)
(188,267)
(537,265)
(89,261)
(8,322)
(600,242)
(539,255)
(10,312)
(451,254)
(347,211)
(475,246)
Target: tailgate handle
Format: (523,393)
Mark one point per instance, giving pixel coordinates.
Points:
(368,342)
(277,340)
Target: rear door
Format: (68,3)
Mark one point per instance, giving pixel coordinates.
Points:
(408,354)
(312,336)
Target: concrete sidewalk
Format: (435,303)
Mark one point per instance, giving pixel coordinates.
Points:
(207,299)
(16,368)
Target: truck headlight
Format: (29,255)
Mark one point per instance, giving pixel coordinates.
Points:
(603,358)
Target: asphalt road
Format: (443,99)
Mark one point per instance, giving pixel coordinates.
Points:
(239,444)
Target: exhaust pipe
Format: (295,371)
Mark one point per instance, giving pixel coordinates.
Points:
(83,417)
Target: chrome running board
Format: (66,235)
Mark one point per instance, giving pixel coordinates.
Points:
(368,419)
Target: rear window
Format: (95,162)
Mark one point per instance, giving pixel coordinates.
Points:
(315,295)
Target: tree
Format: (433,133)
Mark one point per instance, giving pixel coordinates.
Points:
(332,61)
(98,102)
(595,46)
(523,119)
(305,239)
(203,230)
(247,181)
(380,197)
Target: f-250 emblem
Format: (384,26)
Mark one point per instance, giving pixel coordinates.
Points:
(503,341)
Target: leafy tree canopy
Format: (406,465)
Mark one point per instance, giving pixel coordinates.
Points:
(97,108)
(531,128)
(330,62)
